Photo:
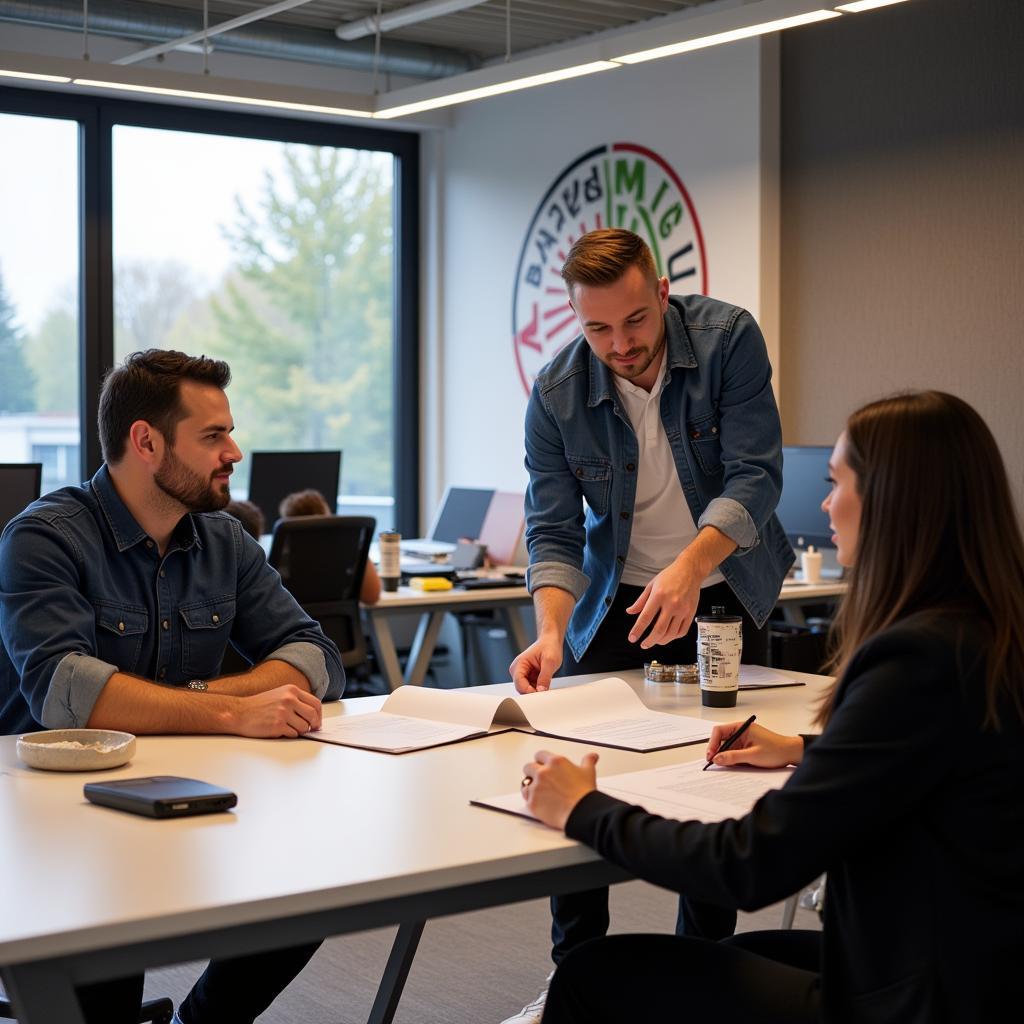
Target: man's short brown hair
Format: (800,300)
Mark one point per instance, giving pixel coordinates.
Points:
(601,257)
(304,503)
(147,386)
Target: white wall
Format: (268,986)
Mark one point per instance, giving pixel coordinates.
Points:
(700,112)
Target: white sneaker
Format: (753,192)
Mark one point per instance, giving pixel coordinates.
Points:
(531,1013)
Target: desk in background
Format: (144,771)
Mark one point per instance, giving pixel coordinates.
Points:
(506,602)
(432,606)
(91,893)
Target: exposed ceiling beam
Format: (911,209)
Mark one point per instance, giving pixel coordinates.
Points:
(156,22)
(413,14)
(214,30)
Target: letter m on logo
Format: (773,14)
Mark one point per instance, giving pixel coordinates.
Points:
(629,179)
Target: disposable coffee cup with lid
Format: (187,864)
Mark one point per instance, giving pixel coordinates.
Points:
(719,647)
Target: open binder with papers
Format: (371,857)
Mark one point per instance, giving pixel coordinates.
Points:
(606,713)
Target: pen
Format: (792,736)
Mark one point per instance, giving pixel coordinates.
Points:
(726,744)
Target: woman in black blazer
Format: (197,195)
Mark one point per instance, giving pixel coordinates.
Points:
(911,799)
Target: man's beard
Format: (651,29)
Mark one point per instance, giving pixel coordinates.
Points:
(188,488)
(645,357)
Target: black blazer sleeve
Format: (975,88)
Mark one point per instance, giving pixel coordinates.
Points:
(898,713)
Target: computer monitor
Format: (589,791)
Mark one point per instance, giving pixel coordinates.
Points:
(275,475)
(20,484)
(804,486)
(461,514)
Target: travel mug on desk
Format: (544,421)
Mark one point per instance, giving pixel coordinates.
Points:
(390,559)
(719,646)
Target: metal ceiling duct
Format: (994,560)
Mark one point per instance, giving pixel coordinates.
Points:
(158,23)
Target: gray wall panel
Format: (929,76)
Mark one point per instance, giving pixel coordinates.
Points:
(903,214)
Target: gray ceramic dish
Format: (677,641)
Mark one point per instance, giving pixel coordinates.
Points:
(93,749)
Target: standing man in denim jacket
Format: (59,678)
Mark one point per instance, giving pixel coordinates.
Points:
(118,600)
(654,450)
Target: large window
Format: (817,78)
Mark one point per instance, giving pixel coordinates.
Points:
(278,258)
(39,296)
(286,247)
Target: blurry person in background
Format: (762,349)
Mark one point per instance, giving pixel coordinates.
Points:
(313,503)
(249,515)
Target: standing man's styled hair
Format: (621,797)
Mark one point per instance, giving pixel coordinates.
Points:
(602,257)
(147,386)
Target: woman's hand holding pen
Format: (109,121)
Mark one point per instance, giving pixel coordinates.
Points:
(552,785)
(757,746)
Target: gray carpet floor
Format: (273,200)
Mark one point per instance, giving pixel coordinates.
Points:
(470,969)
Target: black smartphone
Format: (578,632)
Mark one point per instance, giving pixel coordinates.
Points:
(161,796)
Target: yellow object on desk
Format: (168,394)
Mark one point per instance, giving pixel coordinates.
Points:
(430,583)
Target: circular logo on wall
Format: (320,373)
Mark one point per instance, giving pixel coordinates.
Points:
(619,185)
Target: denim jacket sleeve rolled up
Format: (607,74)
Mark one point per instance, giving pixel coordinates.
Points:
(84,593)
(722,424)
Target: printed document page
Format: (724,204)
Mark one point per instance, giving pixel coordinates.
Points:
(757,677)
(606,713)
(682,791)
(414,718)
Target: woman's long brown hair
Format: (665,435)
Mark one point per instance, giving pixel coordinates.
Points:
(938,531)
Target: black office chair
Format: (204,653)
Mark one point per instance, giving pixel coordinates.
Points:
(322,560)
(154,1011)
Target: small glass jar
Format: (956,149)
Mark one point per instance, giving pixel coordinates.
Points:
(687,674)
(655,672)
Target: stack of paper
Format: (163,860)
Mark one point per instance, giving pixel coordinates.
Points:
(682,791)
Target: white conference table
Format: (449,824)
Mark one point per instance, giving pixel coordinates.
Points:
(432,606)
(324,840)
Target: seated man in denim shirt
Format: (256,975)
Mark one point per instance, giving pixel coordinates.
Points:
(654,450)
(118,600)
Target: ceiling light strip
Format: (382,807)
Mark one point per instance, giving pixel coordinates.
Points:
(249,101)
(856,6)
(717,38)
(496,89)
(33,77)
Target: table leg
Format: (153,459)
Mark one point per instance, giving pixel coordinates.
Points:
(422,649)
(793,613)
(384,648)
(42,995)
(396,972)
(516,629)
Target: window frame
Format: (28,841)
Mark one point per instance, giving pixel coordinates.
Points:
(97,115)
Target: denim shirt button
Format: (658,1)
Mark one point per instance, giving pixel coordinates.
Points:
(625,515)
(165,624)
(630,466)
(579,472)
(149,543)
(695,435)
(120,627)
(216,617)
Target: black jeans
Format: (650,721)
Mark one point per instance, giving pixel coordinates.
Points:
(230,991)
(579,916)
(757,978)
(611,651)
